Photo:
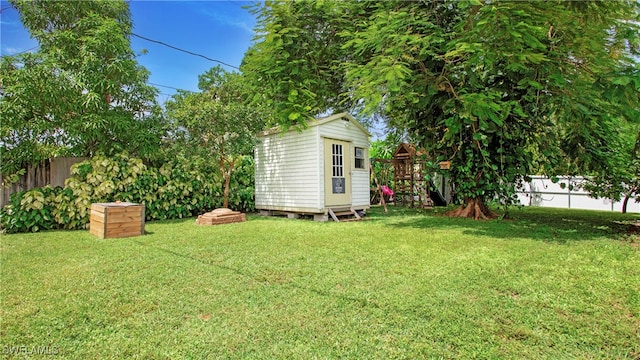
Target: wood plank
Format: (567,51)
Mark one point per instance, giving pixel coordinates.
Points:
(333,216)
(124,220)
(97,215)
(115,227)
(208,220)
(134,227)
(97,221)
(355,213)
(96,224)
(129,209)
(117,232)
(142,214)
(98,208)
(125,210)
(111,215)
(117,218)
(123,227)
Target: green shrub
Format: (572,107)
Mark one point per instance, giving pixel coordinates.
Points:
(174,190)
(29,211)
(70,209)
(241,193)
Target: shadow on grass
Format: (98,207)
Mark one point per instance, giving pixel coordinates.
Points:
(553,225)
(359,301)
(546,224)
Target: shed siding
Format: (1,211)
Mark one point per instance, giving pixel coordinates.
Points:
(360,193)
(286,172)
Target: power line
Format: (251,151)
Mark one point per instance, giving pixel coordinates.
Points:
(184,51)
(23,51)
(150,83)
(166,86)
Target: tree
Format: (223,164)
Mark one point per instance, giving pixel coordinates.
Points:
(217,122)
(299,60)
(494,87)
(623,184)
(82,92)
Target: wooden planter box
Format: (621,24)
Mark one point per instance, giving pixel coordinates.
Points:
(115,220)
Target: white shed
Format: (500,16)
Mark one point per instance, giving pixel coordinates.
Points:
(320,171)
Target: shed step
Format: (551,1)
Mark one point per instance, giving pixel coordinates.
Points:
(342,213)
(336,214)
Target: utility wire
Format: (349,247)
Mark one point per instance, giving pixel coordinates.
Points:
(159,42)
(166,86)
(22,52)
(184,51)
(150,83)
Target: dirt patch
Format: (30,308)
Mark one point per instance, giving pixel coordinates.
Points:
(633,233)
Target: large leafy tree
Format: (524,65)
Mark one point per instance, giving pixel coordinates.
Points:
(497,88)
(299,60)
(216,124)
(82,92)
(624,183)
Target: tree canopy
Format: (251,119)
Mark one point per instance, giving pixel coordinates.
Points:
(81,92)
(500,89)
(216,124)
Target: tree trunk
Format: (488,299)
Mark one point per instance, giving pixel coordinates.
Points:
(626,199)
(227,180)
(625,202)
(226,167)
(474,208)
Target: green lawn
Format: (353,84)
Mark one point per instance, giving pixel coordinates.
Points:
(549,284)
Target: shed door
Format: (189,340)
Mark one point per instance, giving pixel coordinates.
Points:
(337,172)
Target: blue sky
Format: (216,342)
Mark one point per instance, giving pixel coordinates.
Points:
(221,30)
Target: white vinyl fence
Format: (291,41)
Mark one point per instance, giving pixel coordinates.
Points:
(566,193)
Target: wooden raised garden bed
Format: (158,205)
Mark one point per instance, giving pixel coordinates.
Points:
(115,220)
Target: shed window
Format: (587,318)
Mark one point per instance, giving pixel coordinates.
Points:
(337,162)
(359,158)
(338,180)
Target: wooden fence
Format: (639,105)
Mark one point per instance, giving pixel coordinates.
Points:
(51,172)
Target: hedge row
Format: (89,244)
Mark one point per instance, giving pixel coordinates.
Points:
(174,190)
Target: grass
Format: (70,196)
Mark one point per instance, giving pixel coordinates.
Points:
(549,284)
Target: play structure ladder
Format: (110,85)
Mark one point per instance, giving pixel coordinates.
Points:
(336,215)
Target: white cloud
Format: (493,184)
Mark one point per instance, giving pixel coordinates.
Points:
(239,18)
(10,50)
